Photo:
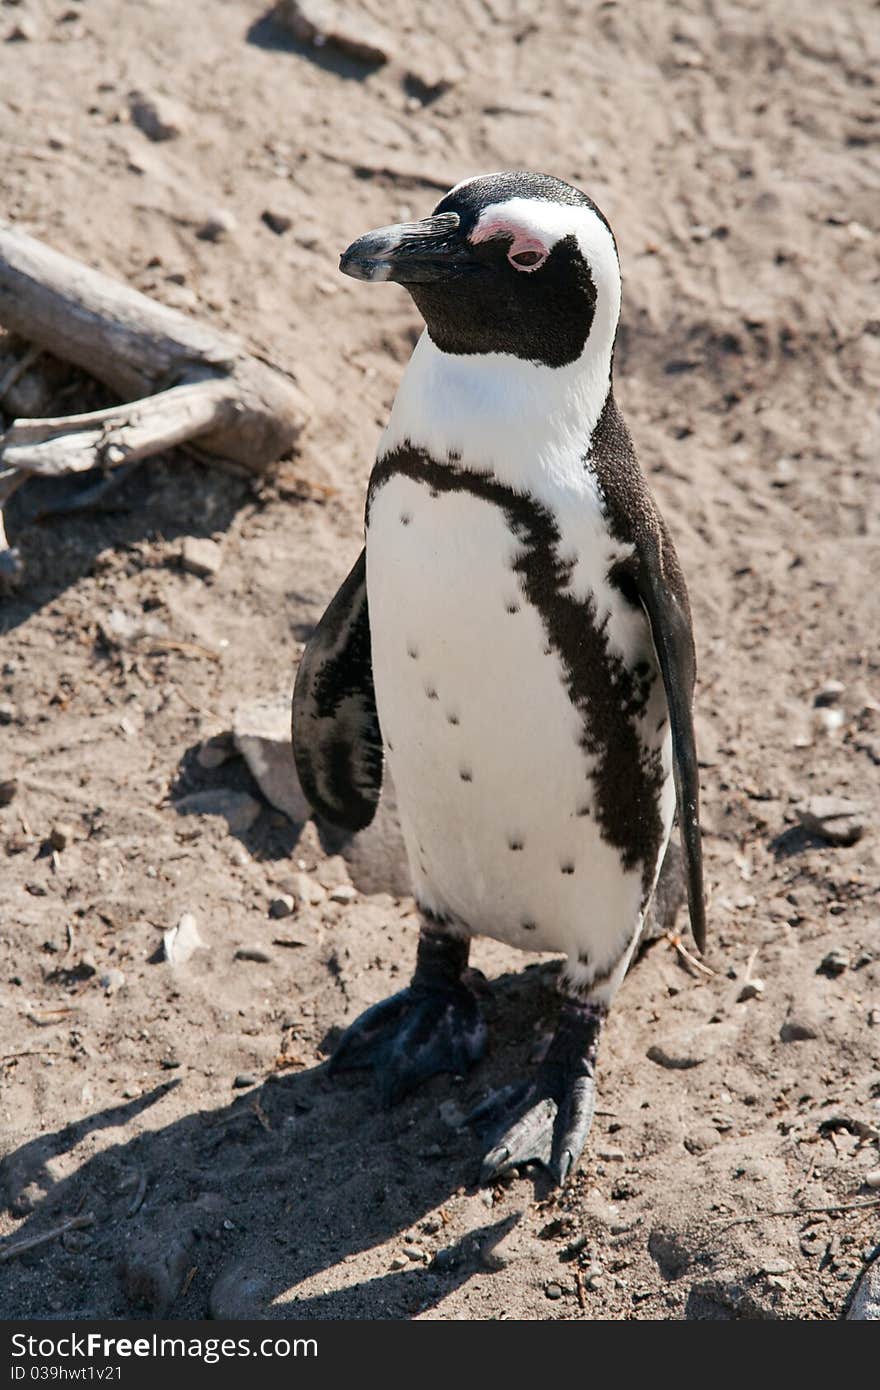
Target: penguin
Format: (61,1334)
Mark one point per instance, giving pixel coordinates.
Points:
(515,642)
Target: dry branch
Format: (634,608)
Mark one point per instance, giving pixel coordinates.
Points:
(182,380)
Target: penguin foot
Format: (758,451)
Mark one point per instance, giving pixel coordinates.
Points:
(435,1025)
(551,1115)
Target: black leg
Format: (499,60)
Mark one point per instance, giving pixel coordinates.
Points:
(548,1119)
(433,1026)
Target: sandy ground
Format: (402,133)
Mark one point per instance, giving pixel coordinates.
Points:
(734,146)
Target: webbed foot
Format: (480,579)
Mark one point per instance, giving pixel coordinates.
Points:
(435,1025)
(547,1120)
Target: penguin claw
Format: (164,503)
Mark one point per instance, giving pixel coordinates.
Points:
(551,1130)
(412,1036)
(552,1114)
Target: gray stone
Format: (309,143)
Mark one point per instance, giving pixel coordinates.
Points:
(833,818)
(243,1080)
(277,222)
(60,836)
(8,791)
(182,941)
(217,226)
(343,893)
(798,1027)
(157,116)
(237,1293)
(112,980)
(835,963)
(282,906)
(261,730)
(201,556)
(254,953)
(342,26)
(238,809)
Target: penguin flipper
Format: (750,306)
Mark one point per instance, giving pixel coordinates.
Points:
(337,743)
(663,596)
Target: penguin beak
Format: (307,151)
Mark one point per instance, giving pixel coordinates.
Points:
(412,253)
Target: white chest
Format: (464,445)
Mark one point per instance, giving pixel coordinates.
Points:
(495,781)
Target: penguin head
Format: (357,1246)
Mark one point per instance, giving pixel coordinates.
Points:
(513,263)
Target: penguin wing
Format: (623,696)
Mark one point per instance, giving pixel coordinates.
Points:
(337,743)
(663,596)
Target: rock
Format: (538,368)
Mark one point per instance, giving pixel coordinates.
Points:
(672,1062)
(451,1114)
(282,906)
(304,890)
(828,721)
(430,78)
(872,1179)
(322,22)
(799,1027)
(254,953)
(243,1080)
(112,981)
(261,730)
(237,1294)
(835,963)
(829,694)
(159,1256)
(865,1305)
(25,31)
(157,116)
(238,809)
(217,226)
(180,943)
(60,836)
(343,893)
(8,791)
(201,557)
(214,752)
(277,222)
(833,818)
(399,1262)
(8,713)
(752,989)
(553,1290)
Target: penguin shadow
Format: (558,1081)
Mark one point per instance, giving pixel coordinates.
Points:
(60,527)
(230,1210)
(268,32)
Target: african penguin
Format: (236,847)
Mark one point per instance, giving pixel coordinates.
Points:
(516,641)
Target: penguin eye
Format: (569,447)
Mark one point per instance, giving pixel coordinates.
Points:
(527,259)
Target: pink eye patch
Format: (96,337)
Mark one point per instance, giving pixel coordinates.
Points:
(526,251)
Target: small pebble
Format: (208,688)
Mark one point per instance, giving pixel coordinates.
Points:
(835,963)
(829,693)
(244,1079)
(872,1179)
(277,222)
(112,980)
(282,906)
(304,890)
(798,1028)
(158,117)
(399,1262)
(8,713)
(344,893)
(217,226)
(752,989)
(201,557)
(8,790)
(553,1290)
(255,953)
(60,836)
(833,818)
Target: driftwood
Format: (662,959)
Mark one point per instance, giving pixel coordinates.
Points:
(181,380)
